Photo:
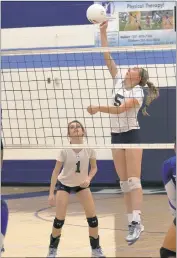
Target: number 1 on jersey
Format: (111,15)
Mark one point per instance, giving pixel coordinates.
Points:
(78,167)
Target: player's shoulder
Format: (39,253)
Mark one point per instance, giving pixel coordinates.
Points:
(169,169)
(66,152)
(169,166)
(138,89)
(171,162)
(61,155)
(91,152)
(62,151)
(118,79)
(137,92)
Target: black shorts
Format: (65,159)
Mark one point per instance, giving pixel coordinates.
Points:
(174,221)
(68,189)
(132,136)
(2,147)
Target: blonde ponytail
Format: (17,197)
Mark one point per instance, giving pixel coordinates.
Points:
(153,93)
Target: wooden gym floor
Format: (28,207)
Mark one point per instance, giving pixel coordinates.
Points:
(31,220)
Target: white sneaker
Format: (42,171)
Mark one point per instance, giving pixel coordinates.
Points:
(52,253)
(97,252)
(135,230)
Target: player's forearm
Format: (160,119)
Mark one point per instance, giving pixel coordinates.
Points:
(107,56)
(104,43)
(111,110)
(92,173)
(53,181)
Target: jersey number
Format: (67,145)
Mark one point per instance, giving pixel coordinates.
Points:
(117,101)
(78,167)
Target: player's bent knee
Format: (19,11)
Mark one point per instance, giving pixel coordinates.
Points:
(58,223)
(124,186)
(134,183)
(93,222)
(165,253)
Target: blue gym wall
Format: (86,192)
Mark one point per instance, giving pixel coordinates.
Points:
(43,13)
(160,127)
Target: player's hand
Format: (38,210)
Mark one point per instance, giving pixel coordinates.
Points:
(103,26)
(93,110)
(85,184)
(51,200)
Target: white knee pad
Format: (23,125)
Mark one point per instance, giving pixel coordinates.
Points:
(124,186)
(134,183)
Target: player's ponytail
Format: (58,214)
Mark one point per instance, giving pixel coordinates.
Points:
(153,94)
(152,91)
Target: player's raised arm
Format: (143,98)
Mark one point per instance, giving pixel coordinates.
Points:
(104,43)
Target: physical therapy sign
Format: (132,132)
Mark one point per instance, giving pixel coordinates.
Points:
(139,23)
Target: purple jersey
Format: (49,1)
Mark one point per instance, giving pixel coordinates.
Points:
(169,180)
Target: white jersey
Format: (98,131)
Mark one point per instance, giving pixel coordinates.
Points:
(127,120)
(75,166)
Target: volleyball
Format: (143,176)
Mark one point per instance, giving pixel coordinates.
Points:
(96,13)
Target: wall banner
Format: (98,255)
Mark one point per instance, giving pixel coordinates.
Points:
(139,23)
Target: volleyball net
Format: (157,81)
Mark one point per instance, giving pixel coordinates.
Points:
(43,90)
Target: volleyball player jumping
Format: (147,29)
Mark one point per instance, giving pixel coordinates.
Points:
(168,249)
(127,100)
(74,177)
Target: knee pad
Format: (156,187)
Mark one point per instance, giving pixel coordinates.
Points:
(134,183)
(93,222)
(58,223)
(124,186)
(165,253)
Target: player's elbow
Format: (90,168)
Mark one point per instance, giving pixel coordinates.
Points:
(122,109)
(130,104)
(113,73)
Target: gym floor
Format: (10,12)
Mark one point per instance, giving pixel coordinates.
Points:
(31,219)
